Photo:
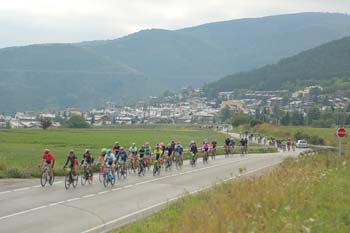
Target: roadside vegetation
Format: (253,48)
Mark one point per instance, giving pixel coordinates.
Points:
(307,194)
(320,136)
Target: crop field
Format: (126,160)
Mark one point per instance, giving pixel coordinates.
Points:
(22,148)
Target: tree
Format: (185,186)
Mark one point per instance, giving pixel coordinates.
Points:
(92,119)
(45,123)
(313,114)
(240,119)
(285,119)
(225,114)
(297,118)
(76,122)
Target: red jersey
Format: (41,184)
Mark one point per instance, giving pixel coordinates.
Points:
(49,157)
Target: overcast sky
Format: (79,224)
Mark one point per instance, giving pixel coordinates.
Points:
(44,21)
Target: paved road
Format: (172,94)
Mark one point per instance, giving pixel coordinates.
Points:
(27,207)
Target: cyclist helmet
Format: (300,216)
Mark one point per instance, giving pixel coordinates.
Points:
(116,143)
(104,150)
(161,144)
(133,144)
(108,151)
(71,151)
(157,146)
(143,146)
(87,150)
(47,151)
(192,142)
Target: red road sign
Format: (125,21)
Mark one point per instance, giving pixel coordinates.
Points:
(341,132)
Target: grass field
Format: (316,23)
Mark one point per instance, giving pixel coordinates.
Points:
(308,194)
(22,148)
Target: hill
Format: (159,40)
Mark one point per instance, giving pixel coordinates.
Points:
(88,73)
(319,65)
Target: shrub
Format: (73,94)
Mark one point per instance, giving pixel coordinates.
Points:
(16,173)
(313,139)
(2,166)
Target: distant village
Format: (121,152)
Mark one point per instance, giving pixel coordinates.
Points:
(189,106)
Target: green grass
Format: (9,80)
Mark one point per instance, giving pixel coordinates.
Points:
(308,194)
(22,148)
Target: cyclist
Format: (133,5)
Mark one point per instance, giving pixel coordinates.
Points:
(123,156)
(179,151)
(73,160)
(148,152)
(102,155)
(142,158)
(133,154)
(289,144)
(213,146)
(170,151)
(173,144)
(205,147)
(227,147)
(88,159)
(110,160)
(158,154)
(48,159)
(194,150)
(232,145)
(162,147)
(115,148)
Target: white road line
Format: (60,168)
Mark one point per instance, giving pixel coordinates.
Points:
(128,186)
(90,195)
(21,189)
(165,202)
(73,199)
(23,212)
(5,192)
(103,192)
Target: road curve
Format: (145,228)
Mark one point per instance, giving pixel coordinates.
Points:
(27,207)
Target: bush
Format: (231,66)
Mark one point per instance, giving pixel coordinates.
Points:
(255,122)
(2,166)
(16,173)
(76,122)
(314,139)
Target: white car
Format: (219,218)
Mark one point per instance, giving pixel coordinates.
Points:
(302,144)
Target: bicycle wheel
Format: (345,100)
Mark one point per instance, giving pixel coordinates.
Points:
(52,179)
(67,181)
(75,181)
(90,177)
(112,178)
(84,179)
(100,177)
(43,178)
(105,180)
(154,169)
(158,170)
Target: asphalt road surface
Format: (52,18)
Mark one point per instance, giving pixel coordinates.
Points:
(28,207)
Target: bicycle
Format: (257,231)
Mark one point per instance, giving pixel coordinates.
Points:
(101,172)
(122,170)
(227,151)
(178,161)
(46,175)
(87,175)
(156,168)
(141,167)
(193,159)
(205,157)
(108,177)
(168,163)
(213,154)
(69,179)
(133,164)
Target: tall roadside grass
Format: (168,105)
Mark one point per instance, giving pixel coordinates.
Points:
(307,194)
